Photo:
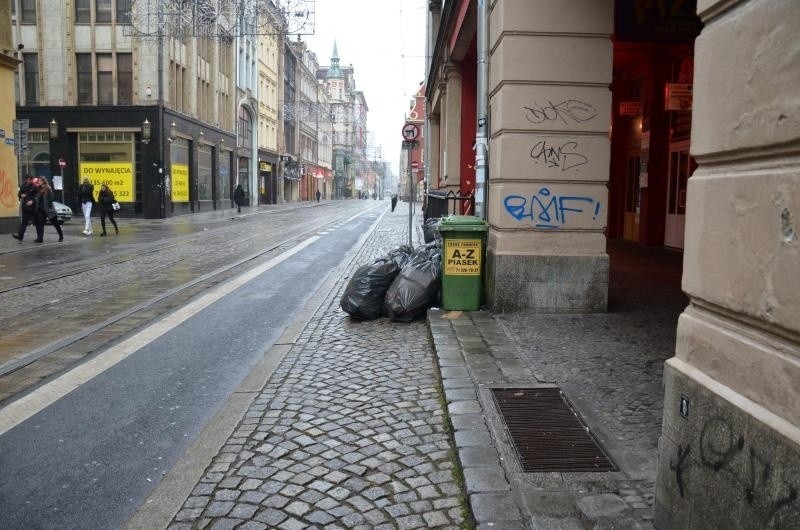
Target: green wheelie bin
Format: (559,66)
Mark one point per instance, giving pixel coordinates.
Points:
(463,244)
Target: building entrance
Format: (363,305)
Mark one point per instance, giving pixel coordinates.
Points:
(681,167)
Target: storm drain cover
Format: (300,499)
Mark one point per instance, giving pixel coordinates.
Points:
(547,433)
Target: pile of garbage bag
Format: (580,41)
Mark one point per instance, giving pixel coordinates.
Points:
(430,230)
(401,285)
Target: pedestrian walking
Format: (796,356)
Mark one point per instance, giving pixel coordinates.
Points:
(86,196)
(319,194)
(107,203)
(45,211)
(394,201)
(26,196)
(238,197)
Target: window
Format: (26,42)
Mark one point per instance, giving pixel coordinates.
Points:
(28,8)
(124,78)
(101,89)
(204,173)
(105,79)
(31,62)
(244,128)
(83,62)
(83,12)
(102,11)
(123,11)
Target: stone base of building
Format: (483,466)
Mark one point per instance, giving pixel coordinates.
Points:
(9,225)
(547,283)
(724,461)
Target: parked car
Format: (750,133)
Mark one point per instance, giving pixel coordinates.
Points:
(63,212)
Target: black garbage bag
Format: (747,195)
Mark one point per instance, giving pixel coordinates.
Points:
(364,294)
(430,230)
(400,255)
(416,287)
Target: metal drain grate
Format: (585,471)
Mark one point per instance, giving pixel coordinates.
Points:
(547,433)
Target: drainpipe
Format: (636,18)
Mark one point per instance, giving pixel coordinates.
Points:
(481,137)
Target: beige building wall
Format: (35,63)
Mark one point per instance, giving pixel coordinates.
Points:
(268,56)
(550,110)
(730,447)
(9,179)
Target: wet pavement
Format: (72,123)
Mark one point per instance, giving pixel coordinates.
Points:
(86,292)
(392,425)
(349,431)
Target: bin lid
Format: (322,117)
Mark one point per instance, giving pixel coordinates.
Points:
(462,223)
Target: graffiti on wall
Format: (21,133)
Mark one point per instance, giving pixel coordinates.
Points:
(8,195)
(565,156)
(721,449)
(544,209)
(569,111)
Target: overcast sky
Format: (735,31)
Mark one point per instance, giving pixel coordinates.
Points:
(384,40)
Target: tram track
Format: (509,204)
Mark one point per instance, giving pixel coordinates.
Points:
(23,371)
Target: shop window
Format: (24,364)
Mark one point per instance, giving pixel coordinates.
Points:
(204,173)
(179,167)
(632,191)
(223,184)
(108,158)
(36,159)
(31,62)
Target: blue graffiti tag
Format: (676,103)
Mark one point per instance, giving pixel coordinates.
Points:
(546,210)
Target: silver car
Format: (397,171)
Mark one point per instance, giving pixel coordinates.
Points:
(63,212)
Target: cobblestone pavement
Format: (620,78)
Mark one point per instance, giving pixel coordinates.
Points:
(610,368)
(349,431)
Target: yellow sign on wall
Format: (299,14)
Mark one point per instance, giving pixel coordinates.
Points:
(118,176)
(462,257)
(180,183)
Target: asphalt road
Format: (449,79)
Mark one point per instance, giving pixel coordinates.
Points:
(90,459)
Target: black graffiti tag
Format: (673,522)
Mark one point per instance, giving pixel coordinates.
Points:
(564,156)
(679,468)
(718,444)
(570,110)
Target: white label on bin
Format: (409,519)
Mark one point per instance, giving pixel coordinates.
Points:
(462,257)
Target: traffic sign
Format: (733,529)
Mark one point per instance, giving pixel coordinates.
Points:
(410,131)
(62,163)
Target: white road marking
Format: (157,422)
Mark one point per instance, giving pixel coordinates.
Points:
(25,407)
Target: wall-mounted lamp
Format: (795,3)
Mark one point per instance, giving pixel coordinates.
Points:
(146,131)
(148,91)
(173,132)
(53,129)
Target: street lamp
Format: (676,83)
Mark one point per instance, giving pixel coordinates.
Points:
(146,131)
(53,129)
(173,132)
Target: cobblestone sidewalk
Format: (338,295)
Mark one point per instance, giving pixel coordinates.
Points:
(349,431)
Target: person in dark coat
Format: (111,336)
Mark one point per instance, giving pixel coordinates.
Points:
(394,201)
(26,196)
(106,200)
(46,211)
(319,194)
(86,196)
(238,197)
